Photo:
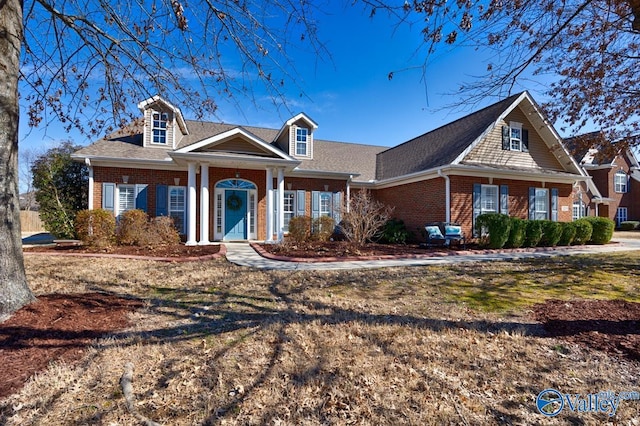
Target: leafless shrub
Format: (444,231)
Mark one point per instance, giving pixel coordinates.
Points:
(365,217)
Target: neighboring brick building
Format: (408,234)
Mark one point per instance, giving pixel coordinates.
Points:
(225,182)
(614,190)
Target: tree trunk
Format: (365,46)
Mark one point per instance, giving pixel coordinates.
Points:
(14,291)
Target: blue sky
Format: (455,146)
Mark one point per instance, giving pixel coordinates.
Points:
(350,96)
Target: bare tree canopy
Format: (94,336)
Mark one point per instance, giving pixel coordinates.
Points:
(586,52)
(86,62)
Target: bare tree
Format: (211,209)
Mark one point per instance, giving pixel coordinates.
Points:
(84,63)
(364,218)
(589,49)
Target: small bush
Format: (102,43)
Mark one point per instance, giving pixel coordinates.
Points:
(602,229)
(96,228)
(323,228)
(533,233)
(300,229)
(496,226)
(132,225)
(394,231)
(516,232)
(583,231)
(160,231)
(551,233)
(568,233)
(629,225)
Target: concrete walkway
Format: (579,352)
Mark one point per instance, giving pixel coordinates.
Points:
(242,254)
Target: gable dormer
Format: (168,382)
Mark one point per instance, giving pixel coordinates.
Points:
(296,137)
(164,125)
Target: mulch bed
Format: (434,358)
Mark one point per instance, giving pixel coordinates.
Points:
(56,327)
(169,251)
(611,326)
(315,250)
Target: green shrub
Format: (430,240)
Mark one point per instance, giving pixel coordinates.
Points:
(494,229)
(533,233)
(516,232)
(394,231)
(583,231)
(300,228)
(568,233)
(602,229)
(96,228)
(629,225)
(551,233)
(323,228)
(131,227)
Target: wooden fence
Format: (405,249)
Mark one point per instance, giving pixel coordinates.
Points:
(31,222)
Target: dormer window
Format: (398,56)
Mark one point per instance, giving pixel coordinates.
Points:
(302,141)
(160,120)
(515,138)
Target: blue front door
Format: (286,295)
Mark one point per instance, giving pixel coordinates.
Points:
(235,215)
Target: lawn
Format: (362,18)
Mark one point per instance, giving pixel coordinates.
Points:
(220,344)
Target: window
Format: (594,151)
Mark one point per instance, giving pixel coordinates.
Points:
(579,210)
(515,137)
(325,203)
(177,206)
(126,198)
(160,127)
(489,199)
(302,141)
(541,204)
(620,182)
(289,208)
(621,215)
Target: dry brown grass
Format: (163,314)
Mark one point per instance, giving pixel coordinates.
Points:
(220,344)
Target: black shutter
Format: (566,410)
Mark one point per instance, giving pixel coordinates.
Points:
(506,138)
(525,140)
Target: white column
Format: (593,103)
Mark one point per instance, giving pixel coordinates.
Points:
(269,205)
(191,206)
(280,204)
(204,205)
(91,184)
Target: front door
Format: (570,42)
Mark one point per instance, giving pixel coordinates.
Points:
(235,215)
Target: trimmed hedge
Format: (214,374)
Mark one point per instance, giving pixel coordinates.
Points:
(583,231)
(551,233)
(394,231)
(533,233)
(132,225)
(496,226)
(568,233)
(517,231)
(96,228)
(629,225)
(602,229)
(322,228)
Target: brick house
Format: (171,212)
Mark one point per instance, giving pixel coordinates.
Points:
(224,182)
(614,188)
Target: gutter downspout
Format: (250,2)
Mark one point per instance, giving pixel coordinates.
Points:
(87,161)
(348,195)
(447,196)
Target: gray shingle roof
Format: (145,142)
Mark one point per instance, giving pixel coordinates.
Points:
(328,156)
(440,146)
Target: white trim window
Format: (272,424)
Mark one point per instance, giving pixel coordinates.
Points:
(159,128)
(621,215)
(620,182)
(177,206)
(302,141)
(126,198)
(289,208)
(579,210)
(489,199)
(515,136)
(325,204)
(541,209)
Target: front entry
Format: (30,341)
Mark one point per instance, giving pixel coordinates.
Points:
(235,214)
